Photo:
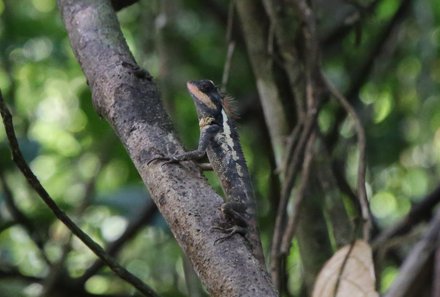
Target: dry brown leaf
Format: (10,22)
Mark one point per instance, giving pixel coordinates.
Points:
(357,277)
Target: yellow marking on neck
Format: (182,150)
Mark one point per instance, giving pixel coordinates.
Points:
(202,97)
(206,121)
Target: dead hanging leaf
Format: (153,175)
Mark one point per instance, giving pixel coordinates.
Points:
(349,273)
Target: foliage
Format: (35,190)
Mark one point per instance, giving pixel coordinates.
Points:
(81,163)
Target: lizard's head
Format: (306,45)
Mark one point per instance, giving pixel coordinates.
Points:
(206,96)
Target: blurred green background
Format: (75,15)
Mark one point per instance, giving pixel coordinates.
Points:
(81,163)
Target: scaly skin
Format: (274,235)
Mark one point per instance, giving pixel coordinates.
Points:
(220,141)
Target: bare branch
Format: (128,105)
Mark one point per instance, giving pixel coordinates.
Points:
(255,34)
(289,181)
(36,185)
(360,132)
(227,67)
(293,220)
(415,263)
(282,20)
(231,45)
(55,278)
(304,129)
(436,285)
(131,104)
(419,212)
(22,219)
(142,220)
(363,72)
(350,23)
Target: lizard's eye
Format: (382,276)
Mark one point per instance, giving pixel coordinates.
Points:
(213,86)
(208,85)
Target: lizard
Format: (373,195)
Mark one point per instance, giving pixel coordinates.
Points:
(219,140)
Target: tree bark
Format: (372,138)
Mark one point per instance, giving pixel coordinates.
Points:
(129,100)
(255,36)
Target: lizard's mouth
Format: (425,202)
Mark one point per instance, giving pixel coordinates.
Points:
(192,87)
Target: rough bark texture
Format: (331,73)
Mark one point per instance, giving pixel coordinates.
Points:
(129,101)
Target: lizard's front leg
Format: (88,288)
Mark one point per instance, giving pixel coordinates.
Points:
(206,135)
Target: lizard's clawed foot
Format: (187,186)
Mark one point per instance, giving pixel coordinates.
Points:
(167,160)
(230,231)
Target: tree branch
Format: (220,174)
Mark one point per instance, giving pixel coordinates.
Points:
(255,34)
(294,217)
(128,99)
(361,190)
(144,218)
(419,212)
(36,185)
(22,219)
(406,284)
(363,72)
(351,22)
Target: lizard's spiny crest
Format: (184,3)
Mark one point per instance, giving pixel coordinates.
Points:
(230,106)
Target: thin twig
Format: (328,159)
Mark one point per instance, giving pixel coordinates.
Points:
(349,23)
(289,181)
(281,20)
(292,142)
(363,72)
(294,218)
(230,21)
(36,185)
(228,62)
(270,43)
(55,274)
(23,220)
(310,36)
(417,262)
(418,213)
(311,65)
(436,284)
(390,247)
(360,132)
(231,45)
(141,221)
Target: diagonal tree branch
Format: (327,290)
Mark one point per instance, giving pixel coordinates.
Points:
(36,185)
(408,283)
(419,212)
(22,219)
(128,99)
(143,219)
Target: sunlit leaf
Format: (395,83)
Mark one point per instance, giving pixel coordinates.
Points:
(382,107)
